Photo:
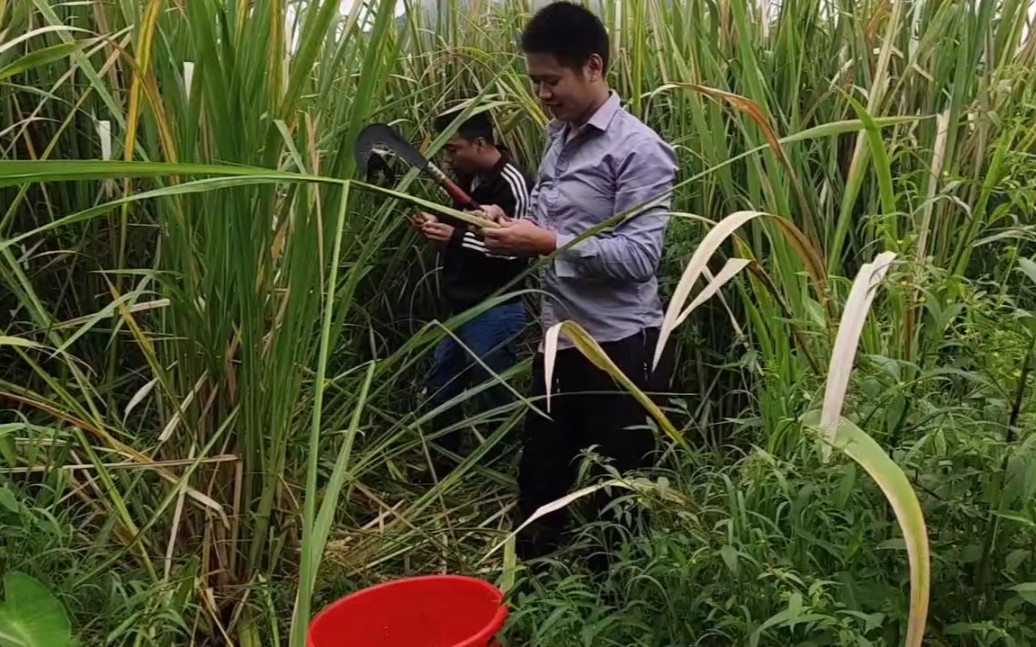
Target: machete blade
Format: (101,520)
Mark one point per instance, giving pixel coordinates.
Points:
(381,136)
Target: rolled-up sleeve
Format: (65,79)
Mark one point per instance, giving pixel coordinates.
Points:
(632,249)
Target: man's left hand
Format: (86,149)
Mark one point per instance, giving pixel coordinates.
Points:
(437,232)
(520,236)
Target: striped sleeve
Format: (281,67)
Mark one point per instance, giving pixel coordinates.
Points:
(519,189)
(470,241)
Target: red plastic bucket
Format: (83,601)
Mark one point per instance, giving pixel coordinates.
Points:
(423,611)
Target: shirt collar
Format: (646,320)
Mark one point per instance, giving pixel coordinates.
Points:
(600,119)
(604,115)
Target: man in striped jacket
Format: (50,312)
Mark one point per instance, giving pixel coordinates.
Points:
(470,274)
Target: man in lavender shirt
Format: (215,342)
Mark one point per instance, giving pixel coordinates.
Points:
(600,161)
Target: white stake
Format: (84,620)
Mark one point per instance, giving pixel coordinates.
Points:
(104,131)
(188,76)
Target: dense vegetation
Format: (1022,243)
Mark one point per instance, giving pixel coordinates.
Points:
(212,351)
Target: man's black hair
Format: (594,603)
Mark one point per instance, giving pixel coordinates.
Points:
(569,32)
(472,128)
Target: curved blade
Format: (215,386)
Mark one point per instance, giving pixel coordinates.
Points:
(381,136)
(377,137)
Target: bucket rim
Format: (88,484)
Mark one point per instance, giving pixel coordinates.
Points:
(478,639)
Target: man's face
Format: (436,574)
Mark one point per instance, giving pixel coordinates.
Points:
(462,154)
(566,92)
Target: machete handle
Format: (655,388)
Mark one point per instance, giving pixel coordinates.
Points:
(451,187)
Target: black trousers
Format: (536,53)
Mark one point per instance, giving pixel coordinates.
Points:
(588,407)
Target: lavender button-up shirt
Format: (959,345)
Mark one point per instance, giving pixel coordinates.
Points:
(606,283)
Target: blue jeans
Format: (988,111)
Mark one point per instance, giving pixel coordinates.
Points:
(491,337)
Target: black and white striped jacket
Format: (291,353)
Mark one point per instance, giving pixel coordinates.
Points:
(470,272)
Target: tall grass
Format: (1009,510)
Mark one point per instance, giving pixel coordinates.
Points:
(212,350)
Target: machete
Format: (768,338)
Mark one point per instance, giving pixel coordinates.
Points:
(377,136)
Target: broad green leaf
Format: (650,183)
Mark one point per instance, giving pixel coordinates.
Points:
(1028,268)
(30,615)
(1027,586)
(8,500)
(863,449)
(1014,559)
(845,436)
(849,328)
(730,558)
(1026,591)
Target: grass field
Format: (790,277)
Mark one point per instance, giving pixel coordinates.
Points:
(213,337)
